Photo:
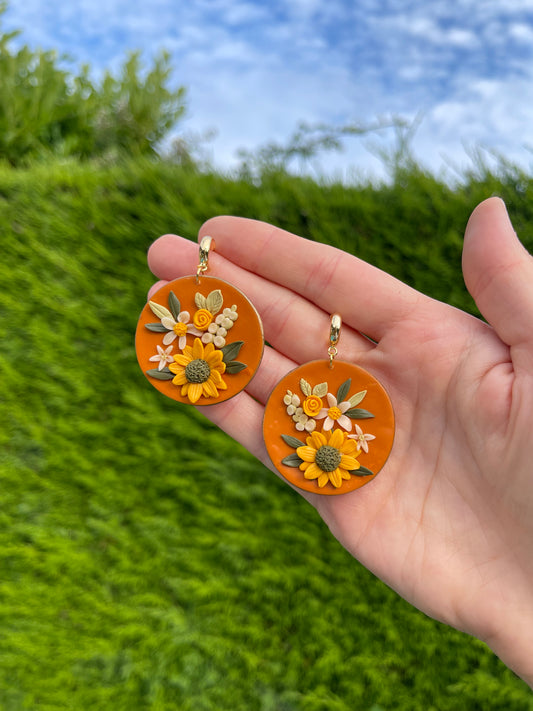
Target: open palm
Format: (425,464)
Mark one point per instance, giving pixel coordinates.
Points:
(448,522)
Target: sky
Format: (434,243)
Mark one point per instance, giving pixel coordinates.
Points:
(460,70)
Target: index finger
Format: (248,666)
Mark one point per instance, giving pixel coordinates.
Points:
(370,300)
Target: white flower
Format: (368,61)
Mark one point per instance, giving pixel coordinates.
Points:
(162,357)
(335,413)
(179,329)
(361,439)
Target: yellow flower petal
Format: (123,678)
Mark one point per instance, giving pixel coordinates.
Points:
(335,478)
(323,480)
(316,440)
(305,465)
(187,352)
(350,447)
(210,388)
(336,439)
(349,463)
(182,359)
(313,472)
(308,454)
(198,350)
(214,359)
(209,350)
(215,377)
(195,391)
(180,378)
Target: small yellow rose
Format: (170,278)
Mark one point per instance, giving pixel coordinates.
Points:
(202,318)
(312,405)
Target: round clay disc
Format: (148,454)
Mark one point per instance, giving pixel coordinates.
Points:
(328,430)
(199,342)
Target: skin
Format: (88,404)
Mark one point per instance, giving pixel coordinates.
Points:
(448,523)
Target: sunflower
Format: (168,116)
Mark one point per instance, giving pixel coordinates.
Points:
(199,371)
(328,456)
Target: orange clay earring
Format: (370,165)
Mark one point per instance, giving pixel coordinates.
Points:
(329,425)
(199,340)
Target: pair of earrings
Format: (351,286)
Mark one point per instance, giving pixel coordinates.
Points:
(328,425)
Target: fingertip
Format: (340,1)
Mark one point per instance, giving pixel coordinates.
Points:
(171,256)
(489,212)
(157,252)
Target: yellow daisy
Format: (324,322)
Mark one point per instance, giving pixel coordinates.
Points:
(328,456)
(199,371)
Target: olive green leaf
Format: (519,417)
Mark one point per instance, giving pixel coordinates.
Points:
(200,301)
(159,311)
(234,367)
(305,387)
(164,374)
(362,471)
(357,398)
(320,390)
(343,390)
(292,441)
(292,460)
(357,413)
(157,327)
(214,301)
(174,304)
(231,351)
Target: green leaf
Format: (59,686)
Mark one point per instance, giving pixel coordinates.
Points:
(234,367)
(157,327)
(214,301)
(343,390)
(292,460)
(356,413)
(362,471)
(160,374)
(159,311)
(231,351)
(174,304)
(292,441)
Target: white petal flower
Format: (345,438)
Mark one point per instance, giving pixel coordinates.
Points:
(361,438)
(162,357)
(335,414)
(178,329)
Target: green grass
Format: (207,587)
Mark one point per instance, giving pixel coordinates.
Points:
(146,560)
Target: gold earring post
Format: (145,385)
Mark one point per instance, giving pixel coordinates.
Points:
(334,336)
(206,245)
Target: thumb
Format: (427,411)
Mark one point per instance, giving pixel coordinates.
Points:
(498,273)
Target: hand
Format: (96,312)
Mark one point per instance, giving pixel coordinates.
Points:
(448,522)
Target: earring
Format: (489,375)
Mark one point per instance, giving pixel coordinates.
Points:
(329,425)
(206,342)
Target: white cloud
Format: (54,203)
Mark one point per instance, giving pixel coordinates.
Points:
(255,69)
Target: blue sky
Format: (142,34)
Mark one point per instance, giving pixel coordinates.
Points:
(255,68)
